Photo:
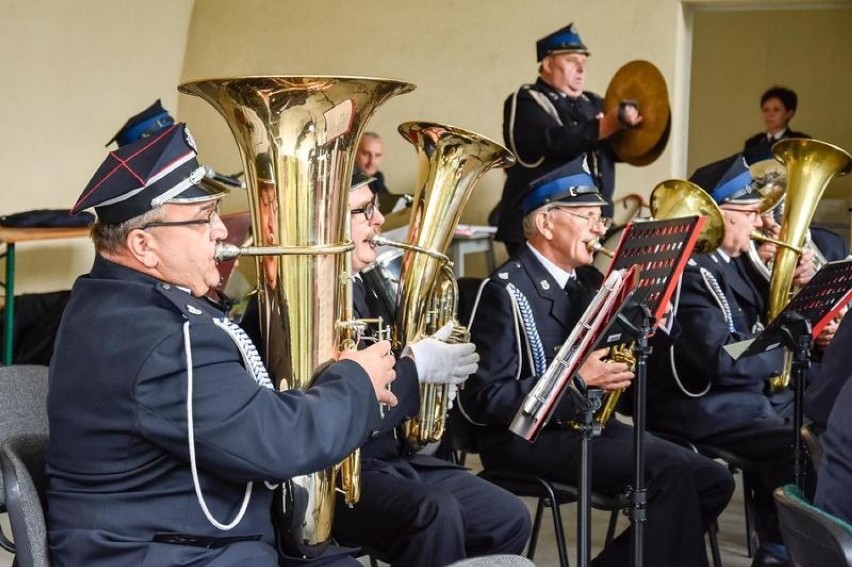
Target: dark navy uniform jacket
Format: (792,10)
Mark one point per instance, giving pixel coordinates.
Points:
(834,373)
(545,142)
(835,472)
(386,450)
(119,457)
(718,305)
(506,372)
(760,140)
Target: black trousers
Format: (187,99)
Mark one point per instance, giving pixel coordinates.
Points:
(686,491)
(430,516)
(769,445)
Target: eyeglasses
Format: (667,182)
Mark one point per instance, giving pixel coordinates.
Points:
(752,214)
(591,219)
(367,210)
(214,214)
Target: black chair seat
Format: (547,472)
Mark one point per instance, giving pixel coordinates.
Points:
(552,495)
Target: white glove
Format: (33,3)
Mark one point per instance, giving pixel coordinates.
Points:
(443,363)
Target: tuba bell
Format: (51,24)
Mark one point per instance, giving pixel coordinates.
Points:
(451,161)
(297,138)
(811,165)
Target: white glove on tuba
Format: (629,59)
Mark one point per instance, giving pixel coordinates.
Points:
(439,362)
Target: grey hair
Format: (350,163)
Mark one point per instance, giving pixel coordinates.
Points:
(528,223)
(370,134)
(112,237)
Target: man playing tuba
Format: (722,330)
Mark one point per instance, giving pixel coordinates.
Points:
(164,424)
(697,390)
(524,312)
(415,509)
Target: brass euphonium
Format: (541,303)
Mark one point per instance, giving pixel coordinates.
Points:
(451,161)
(297,137)
(670,199)
(770,182)
(811,165)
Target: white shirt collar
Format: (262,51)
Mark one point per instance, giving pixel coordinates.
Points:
(557,273)
(723,256)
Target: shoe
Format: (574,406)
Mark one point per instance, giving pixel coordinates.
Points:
(771,555)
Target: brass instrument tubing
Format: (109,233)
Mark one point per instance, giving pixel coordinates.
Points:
(763,238)
(226,251)
(381,241)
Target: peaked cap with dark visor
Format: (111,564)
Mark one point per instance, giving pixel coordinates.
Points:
(141,176)
(727,180)
(570,185)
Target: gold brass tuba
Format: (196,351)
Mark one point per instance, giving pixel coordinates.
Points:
(297,137)
(451,161)
(811,165)
(670,199)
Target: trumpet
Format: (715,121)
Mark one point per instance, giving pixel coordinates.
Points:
(595,246)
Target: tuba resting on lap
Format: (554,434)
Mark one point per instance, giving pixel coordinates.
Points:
(451,161)
(297,137)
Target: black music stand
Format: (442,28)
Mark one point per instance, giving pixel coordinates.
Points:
(660,248)
(795,327)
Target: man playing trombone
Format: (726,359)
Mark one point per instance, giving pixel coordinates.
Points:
(524,311)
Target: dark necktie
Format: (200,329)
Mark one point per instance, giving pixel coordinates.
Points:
(359,298)
(575,298)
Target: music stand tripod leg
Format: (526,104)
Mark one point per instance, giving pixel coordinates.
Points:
(799,371)
(588,429)
(638,493)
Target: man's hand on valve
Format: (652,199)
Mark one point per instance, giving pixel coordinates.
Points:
(378,361)
(804,269)
(598,373)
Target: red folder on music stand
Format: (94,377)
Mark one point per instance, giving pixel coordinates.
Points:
(821,299)
(660,249)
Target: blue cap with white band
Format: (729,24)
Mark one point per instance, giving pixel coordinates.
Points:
(727,180)
(570,185)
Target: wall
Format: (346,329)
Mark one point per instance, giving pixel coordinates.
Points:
(73,72)
(464,56)
(79,69)
(737,55)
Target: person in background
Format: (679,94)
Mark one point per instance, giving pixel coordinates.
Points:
(166,433)
(523,314)
(417,510)
(777,106)
(368,159)
(553,121)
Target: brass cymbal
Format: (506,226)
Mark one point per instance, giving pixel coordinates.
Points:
(642,82)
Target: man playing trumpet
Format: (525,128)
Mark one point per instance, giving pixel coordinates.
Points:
(524,311)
